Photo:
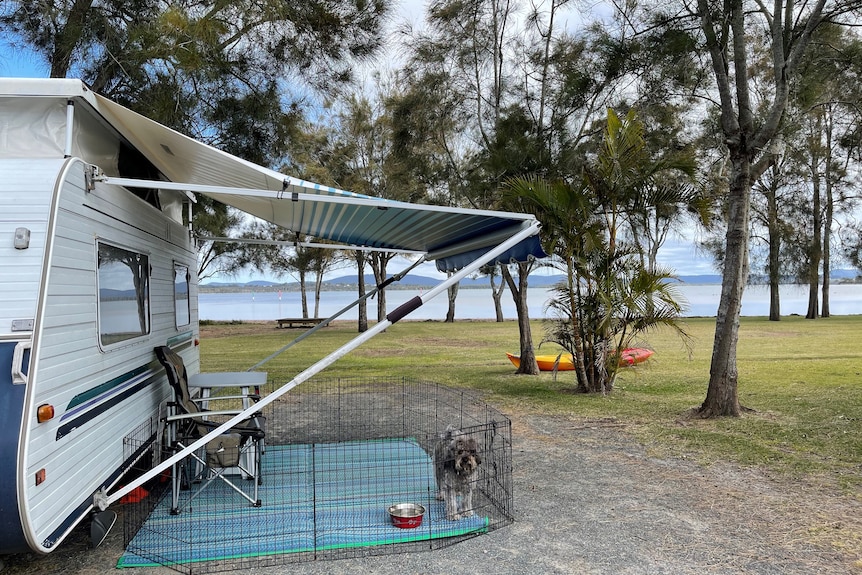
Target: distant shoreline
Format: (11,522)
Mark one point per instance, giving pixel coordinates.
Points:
(414,282)
(272,302)
(408,282)
(240,288)
(294,287)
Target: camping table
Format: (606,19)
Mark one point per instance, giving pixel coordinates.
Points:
(246,381)
(241,379)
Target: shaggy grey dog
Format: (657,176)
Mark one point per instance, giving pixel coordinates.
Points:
(456,461)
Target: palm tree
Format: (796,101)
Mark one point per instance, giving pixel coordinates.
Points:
(609,297)
(570,231)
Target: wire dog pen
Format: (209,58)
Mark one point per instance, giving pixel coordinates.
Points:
(338,453)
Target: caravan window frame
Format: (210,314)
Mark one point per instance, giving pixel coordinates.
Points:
(143,293)
(186,320)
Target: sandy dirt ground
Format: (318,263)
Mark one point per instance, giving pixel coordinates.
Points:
(590,500)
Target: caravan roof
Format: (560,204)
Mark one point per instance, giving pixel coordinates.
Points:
(451,236)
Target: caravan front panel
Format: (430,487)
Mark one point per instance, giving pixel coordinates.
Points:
(93,291)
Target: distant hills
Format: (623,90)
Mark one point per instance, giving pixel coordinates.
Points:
(412,281)
(349,282)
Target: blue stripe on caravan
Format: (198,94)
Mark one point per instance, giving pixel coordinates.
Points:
(11,404)
(104,390)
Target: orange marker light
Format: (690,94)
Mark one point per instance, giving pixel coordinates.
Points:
(44,412)
(40,476)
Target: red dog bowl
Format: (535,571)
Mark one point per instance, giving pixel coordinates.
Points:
(406,515)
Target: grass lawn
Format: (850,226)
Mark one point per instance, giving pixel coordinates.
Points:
(801,378)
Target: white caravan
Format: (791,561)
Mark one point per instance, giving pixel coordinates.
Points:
(99,266)
(94,276)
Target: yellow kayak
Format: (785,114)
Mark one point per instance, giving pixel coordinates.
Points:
(628,358)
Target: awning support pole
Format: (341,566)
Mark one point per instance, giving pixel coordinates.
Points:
(325,362)
(395,278)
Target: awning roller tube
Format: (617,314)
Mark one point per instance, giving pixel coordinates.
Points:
(484,241)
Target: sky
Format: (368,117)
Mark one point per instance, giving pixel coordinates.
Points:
(678,253)
(19,63)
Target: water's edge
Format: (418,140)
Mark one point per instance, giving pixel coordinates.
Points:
(844,299)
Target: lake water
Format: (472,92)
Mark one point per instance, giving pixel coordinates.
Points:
(845,299)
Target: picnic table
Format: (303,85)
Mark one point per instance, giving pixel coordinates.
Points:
(300,321)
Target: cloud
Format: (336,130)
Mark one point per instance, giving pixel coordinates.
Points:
(685,258)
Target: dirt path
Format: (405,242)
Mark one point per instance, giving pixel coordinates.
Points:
(589,500)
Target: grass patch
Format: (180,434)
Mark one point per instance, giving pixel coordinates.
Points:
(801,378)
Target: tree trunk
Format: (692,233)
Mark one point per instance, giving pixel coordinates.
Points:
(747,138)
(814,247)
(721,396)
(360,287)
(827,219)
(452,292)
(303,292)
(497,296)
(528,364)
(378,268)
(580,352)
(773,226)
(318,286)
(68,37)
(824,310)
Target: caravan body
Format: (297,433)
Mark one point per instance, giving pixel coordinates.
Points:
(94,276)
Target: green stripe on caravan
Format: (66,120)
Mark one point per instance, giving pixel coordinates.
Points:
(105,387)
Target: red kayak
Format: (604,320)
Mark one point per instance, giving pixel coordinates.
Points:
(634,355)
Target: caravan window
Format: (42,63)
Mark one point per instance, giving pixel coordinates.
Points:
(124,294)
(181,295)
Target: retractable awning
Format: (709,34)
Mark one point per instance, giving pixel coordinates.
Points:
(314,209)
(452,237)
(443,234)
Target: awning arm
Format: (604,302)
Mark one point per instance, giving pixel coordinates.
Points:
(255,241)
(325,362)
(330,195)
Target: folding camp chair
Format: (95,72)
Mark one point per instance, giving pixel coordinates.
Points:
(237,450)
